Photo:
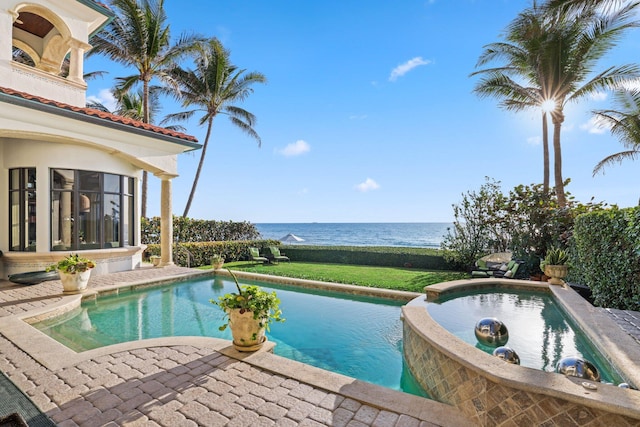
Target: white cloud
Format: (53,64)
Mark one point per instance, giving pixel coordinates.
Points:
(403,69)
(534,140)
(367,185)
(595,126)
(598,96)
(106,98)
(295,148)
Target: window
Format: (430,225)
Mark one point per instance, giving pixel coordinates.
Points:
(90,210)
(22,209)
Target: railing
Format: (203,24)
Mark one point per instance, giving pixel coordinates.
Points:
(190,256)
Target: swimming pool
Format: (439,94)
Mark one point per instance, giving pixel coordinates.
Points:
(357,336)
(539,331)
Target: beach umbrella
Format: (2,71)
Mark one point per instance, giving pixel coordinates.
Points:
(497,257)
(291,238)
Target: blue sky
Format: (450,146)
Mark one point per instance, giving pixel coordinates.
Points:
(369,116)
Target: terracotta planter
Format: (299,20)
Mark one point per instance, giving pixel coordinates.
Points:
(557,273)
(74,283)
(247,333)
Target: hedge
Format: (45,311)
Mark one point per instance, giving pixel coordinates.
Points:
(428,259)
(605,251)
(198,230)
(197,254)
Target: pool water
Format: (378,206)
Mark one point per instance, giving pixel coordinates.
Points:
(360,337)
(539,332)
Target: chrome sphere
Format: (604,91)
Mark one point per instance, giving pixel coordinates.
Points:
(577,367)
(492,332)
(624,385)
(507,354)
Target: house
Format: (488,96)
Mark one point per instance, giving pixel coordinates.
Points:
(69,175)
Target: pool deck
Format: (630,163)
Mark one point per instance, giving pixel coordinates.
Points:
(188,381)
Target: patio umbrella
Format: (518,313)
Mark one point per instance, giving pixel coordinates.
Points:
(497,257)
(291,238)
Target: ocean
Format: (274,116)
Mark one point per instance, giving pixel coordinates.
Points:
(421,235)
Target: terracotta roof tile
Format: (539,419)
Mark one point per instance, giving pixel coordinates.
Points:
(101,114)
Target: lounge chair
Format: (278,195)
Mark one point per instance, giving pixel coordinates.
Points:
(254,254)
(276,255)
(507,271)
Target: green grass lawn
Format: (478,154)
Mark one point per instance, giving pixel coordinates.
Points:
(402,279)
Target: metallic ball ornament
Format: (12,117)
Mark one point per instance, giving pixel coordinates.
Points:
(577,367)
(507,354)
(491,332)
(624,385)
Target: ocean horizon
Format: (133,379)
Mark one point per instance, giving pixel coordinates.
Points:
(402,234)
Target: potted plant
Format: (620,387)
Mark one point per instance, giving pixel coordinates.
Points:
(155,260)
(555,265)
(217,261)
(74,272)
(249,313)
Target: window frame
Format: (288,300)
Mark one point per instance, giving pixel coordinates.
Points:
(99,196)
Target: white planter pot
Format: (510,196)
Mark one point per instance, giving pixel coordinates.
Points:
(74,283)
(557,273)
(246,331)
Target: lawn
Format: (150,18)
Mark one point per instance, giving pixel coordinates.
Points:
(403,279)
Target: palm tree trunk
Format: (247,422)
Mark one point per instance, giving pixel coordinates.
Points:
(558,118)
(145,119)
(200,163)
(545,153)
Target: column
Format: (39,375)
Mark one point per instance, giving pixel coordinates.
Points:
(166,222)
(7,18)
(76,60)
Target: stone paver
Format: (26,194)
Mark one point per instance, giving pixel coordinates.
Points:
(182,385)
(178,385)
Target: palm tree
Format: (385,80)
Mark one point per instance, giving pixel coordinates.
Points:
(559,57)
(139,37)
(129,105)
(625,124)
(525,37)
(213,87)
(578,39)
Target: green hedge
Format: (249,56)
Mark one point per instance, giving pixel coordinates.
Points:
(197,254)
(605,251)
(428,259)
(198,230)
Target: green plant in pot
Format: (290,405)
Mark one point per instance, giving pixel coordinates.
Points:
(249,313)
(74,272)
(555,265)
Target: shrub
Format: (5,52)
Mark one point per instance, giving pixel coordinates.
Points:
(198,254)
(198,230)
(606,253)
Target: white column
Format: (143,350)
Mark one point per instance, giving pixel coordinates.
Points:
(166,222)
(76,60)
(7,18)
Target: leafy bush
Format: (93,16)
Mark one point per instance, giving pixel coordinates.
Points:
(526,222)
(477,228)
(198,230)
(198,254)
(385,256)
(606,252)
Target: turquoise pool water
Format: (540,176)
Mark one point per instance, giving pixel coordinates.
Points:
(356,336)
(538,329)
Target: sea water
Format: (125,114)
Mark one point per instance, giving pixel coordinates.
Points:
(420,234)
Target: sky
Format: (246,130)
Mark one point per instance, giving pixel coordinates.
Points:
(369,115)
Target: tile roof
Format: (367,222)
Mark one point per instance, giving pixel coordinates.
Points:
(101,115)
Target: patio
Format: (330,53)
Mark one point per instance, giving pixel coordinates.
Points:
(185,380)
